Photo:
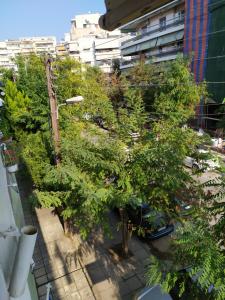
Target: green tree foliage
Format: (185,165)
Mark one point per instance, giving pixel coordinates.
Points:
(31,79)
(16,113)
(36,154)
(80,185)
(137,155)
(200,254)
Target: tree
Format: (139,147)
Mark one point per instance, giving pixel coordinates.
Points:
(196,250)
(16,111)
(138,154)
(31,79)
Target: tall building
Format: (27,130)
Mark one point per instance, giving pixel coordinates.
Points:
(189,28)
(90,44)
(155,37)
(9,49)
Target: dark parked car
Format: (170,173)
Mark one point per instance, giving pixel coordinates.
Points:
(182,208)
(153,223)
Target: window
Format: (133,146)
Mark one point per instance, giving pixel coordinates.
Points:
(179,16)
(162,23)
(144,29)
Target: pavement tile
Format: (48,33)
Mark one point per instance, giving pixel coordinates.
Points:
(101,286)
(128,297)
(142,255)
(108,294)
(70,288)
(41,280)
(62,271)
(51,276)
(67,280)
(75,296)
(59,293)
(42,290)
(39,272)
(57,256)
(73,265)
(81,282)
(56,284)
(86,294)
(39,264)
(134,283)
(96,274)
(142,278)
(78,274)
(124,288)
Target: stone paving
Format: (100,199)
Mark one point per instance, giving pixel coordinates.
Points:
(80,269)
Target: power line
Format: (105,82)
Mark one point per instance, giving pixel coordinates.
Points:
(199,105)
(169,84)
(201,115)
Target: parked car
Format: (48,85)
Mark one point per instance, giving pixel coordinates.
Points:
(202,164)
(152,293)
(153,223)
(183,209)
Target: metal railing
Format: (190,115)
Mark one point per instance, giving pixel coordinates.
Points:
(176,22)
(158,54)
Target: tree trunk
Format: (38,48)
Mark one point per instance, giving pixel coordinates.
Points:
(66,226)
(66,223)
(125,232)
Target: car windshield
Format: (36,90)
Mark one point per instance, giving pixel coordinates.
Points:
(146,209)
(153,218)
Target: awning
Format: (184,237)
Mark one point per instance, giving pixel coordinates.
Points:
(139,47)
(156,42)
(169,38)
(120,12)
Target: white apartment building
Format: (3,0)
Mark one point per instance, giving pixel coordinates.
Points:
(9,49)
(155,37)
(92,45)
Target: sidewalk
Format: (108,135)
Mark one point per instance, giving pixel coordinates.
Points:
(83,270)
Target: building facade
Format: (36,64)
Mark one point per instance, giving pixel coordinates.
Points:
(9,49)
(190,28)
(90,44)
(156,37)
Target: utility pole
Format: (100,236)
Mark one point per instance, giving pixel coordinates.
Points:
(53,108)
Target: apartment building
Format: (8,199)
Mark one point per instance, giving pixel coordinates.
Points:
(90,44)
(9,49)
(155,37)
(163,30)
(61,50)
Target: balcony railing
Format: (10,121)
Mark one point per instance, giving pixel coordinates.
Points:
(148,57)
(175,22)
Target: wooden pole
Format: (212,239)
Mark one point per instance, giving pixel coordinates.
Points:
(53,108)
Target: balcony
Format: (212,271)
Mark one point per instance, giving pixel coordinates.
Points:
(155,29)
(154,57)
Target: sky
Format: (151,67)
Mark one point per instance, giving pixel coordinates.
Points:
(26,18)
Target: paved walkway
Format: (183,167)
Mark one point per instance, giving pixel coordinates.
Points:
(83,270)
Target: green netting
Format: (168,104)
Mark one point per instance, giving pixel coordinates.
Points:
(215,70)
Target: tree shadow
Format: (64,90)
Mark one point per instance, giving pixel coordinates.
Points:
(54,263)
(58,258)
(121,279)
